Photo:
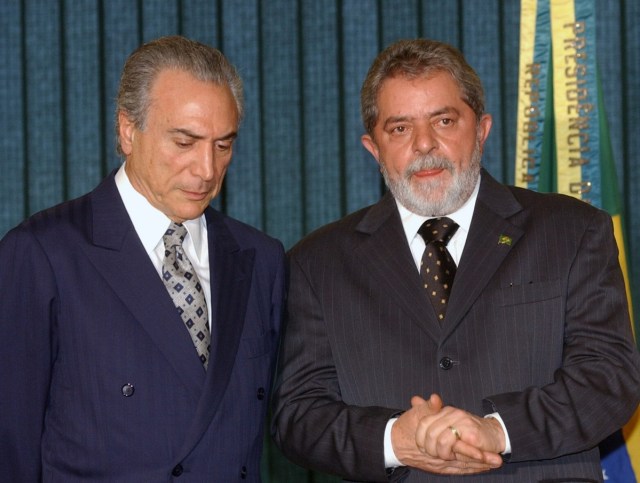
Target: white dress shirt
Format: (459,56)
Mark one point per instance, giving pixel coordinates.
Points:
(411,223)
(150,225)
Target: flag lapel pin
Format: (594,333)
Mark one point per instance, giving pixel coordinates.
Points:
(504,240)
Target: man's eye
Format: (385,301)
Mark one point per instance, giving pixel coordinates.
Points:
(399,129)
(183,144)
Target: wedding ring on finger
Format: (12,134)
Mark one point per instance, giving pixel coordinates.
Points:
(455,432)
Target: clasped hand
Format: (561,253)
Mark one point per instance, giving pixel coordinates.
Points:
(446,440)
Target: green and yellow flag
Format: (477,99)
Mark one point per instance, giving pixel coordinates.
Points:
(563,146)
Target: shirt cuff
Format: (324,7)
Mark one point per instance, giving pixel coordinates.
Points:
(507,442)
(390,460)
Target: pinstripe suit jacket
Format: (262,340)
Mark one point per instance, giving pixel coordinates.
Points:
(537,329)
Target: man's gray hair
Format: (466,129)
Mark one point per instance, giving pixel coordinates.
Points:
(417,58)
(143,66)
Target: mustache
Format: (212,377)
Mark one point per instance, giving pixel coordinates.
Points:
(428,162)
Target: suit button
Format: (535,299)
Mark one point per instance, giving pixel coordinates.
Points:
(128,390)
(446,363)
(260,394)
(243,472)
(177,470)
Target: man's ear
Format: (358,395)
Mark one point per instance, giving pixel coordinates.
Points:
(127,132)
(484,127)
(371,146)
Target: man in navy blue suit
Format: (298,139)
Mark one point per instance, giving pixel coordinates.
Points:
(100,377)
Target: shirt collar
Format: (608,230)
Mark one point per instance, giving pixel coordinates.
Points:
(149,222)
(412,222)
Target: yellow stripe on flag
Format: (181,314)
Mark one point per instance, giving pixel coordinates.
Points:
(622,258)
(524,157)
(563,32)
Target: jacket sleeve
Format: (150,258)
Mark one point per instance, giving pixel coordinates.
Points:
(27,332)
(311,423)
(596,389)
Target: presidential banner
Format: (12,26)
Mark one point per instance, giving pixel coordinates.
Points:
(563,146)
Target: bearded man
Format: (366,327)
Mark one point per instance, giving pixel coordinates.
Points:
(459,329)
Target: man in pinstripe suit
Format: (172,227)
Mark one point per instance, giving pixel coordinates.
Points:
(534,362)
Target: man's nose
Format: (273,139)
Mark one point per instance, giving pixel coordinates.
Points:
(203,164)
(424,139)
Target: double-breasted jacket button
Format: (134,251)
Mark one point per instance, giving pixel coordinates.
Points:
(128,390)
(243,472)
(446,363)
(260,394)
(177,470)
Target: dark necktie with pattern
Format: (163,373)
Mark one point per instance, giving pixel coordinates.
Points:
(437,268)
(184,287)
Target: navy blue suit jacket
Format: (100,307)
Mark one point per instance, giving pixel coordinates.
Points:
(99,378)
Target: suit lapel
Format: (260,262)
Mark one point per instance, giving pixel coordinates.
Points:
(120,258)
(231,270)
(491,237)
(117,251)
(393,272)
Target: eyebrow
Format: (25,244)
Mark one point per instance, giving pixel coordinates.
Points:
(396,119)
(439,112)
(191,134)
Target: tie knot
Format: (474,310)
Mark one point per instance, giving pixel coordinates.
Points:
(438,229)
(174,235)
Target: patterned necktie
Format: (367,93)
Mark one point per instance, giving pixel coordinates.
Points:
(437,268)
(184,287)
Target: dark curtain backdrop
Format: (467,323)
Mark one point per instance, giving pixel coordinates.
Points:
(299,162)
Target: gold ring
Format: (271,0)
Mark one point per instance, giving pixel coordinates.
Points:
(455,432)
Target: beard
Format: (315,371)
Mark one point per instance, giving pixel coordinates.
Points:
(434,197)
